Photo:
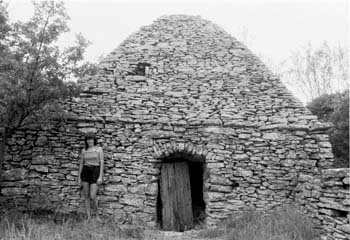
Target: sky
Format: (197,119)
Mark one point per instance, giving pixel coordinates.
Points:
(270,28)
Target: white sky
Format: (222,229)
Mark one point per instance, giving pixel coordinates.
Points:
(273,28)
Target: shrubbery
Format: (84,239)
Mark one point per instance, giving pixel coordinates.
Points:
(334,108)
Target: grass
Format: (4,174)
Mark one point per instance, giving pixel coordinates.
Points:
(286,223)
(27,226)
(283,224)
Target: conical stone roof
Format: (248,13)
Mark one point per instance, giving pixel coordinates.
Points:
(198,74)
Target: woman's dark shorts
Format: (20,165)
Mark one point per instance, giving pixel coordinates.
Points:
(90,174)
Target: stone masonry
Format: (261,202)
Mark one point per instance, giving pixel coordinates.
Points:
(327,198)
(181,85)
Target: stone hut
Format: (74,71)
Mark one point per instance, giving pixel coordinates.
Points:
(193,125)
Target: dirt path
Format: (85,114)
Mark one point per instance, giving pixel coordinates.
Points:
(188,235)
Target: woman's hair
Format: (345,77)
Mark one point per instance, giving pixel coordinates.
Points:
(90,135)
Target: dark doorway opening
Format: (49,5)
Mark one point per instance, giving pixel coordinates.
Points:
(180,203)
(196,180)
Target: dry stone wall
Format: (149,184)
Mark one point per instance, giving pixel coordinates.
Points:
(203,94)
(327,198)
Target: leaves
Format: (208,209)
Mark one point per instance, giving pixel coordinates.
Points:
(34,72)
(335,108)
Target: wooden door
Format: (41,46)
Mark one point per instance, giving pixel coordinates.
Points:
(175,190)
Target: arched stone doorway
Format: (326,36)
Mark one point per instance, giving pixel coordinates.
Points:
(180,202)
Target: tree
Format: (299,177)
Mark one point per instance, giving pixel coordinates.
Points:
(311,72)
(4,25)
(34,70)
(335,108)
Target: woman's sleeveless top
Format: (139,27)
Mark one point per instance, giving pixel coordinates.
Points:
(91,158)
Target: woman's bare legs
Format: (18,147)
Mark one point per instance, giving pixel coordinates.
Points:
(93,193)
(86,192)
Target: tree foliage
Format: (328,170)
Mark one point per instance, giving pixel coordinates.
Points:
(311,72)
(34,70)
(335,108)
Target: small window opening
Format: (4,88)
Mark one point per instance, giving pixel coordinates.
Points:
(142,69)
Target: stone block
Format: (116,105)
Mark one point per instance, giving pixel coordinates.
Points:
(274,136)
(333,205)
(264,192)
(132,200)
(41,141)
(325,144)
(211,165)
(137,188)
(43,159)
(220,180)
(345,228)
(240,157)
(117,188)
(14,174)
(40,168)
(89,129)
(335,173)
(346,202)
(215,196)
(244,172)
(220,188)
(151,188)
(244,136)
(288,162)
(13,191)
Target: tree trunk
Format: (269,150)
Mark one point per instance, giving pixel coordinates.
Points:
(2,150)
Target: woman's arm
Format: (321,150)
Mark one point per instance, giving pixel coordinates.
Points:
(80,165)
(100,178)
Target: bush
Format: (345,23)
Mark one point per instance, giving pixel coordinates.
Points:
(335,108)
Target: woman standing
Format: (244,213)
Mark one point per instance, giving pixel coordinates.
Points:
(91,172)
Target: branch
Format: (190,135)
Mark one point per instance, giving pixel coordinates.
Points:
(38,55)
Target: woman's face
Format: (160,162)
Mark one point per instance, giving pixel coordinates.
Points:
(90,142)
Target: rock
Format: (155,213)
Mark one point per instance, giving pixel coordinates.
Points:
(244,172)
(132,200)
(346,181)
(151,188)
(220,180)
(273,136)
(220,188)
(345,228)
(40,168)
(86,130)
(335,173)
(240,157)
(13,191)
(332,205)
(244,136)
(43,159)
(215,196)
(215,165)
(41,141)
(14,174)
(116,188)
(139,189)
